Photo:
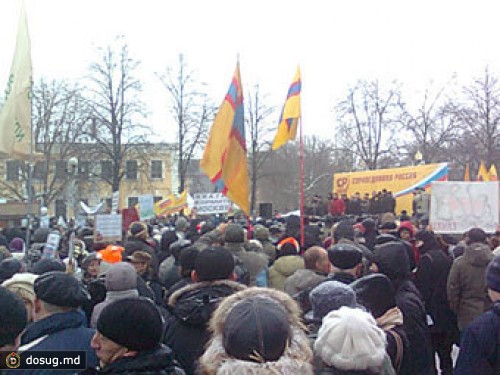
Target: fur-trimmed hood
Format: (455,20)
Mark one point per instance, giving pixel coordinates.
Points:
(195,303)
(296,359)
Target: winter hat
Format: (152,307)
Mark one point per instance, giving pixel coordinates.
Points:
(349,339)
(329,296)
(138,230)
(493,274)
(476,235)
(22,284)
(16,245)
(234,233)
(369,224)
(111,254)
(187,259)
(9,267)
(134,323)
(287,246)
(47,265)
(120,276)
(429,241)
(140,257)
(261,232)
(375,292)
(407,225)
(214,263)
(13,316)
(89,258)
(60,289)
(181,224)
(257,329)
(344,229)
(345,256)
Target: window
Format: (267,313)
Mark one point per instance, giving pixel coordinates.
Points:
(109,203)
(14,169)
(40,170)
(60,208)
(156,169)
(61,170)
(131,170)
(106,168)
(84,169)
(132,202)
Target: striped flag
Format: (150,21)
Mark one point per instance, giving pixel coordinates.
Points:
(15,116)
(287,128)
(493,175)
(225,157)
(482,173)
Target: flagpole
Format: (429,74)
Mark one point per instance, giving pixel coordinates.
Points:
(301,162)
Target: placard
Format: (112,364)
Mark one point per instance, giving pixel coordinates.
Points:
(51,246)
(115,202)
(211,203)
(146,207)
(457,207)
(108,228)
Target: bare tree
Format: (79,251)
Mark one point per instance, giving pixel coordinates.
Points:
(117,110)
(257,114)
(431,128)
(192,112)
(479,115)
(367,120)
(59,116)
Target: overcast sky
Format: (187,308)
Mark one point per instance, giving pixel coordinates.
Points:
(335,42)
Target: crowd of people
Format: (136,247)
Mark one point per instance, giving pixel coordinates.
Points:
(361,295)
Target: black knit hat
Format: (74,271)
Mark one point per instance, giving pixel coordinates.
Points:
(376,293)
(257,329)
(134,323)
(13,318)
(60,289)
(188,257)
(392,260)
(344,256)
(48,265)
(214,263)
(9,267)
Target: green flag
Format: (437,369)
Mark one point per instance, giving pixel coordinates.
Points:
(15,116)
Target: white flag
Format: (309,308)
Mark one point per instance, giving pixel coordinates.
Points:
(15,116)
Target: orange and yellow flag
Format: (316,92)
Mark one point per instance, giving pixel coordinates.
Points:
(290,115)
(482,173)
(225,157)
(493,175)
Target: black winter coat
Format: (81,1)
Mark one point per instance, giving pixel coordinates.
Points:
(190,309)
(158,361)
(430,279)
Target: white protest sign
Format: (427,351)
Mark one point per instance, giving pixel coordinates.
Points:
(108,228)
(211,203)
(457,207)
(50,248)
(146,207)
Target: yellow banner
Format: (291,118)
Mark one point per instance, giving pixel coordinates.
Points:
(400,181)
(171,204)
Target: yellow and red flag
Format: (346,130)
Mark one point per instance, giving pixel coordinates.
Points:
(225,157)
(482,173)
(290,115)
(493,175)
(171,204)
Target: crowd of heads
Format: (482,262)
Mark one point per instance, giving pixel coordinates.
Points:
(198,296)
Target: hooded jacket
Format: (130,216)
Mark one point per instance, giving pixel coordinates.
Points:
(466,286)
(295,360)
(392,260)
(252,261)
(480,347)
(190,309)
(283,268)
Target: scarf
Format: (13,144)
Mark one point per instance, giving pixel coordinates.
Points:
(392,318)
